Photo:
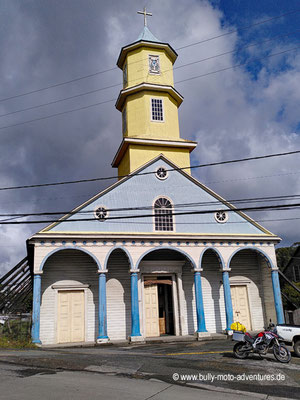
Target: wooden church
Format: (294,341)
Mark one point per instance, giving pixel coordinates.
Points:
(160,253)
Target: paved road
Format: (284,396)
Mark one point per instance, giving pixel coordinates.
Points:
(206,364)
(18,382)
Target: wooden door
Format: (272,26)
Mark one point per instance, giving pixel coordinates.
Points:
(70,322)
(151,310)
(240,305)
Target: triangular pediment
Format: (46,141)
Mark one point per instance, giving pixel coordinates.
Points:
(133,197)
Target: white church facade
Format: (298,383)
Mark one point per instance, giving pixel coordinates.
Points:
(157,253)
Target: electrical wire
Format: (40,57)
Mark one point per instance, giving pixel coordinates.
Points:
(151,172)
(183,80)
(179,48)
(278,207)
(177,206)
(137,80)
(238,29)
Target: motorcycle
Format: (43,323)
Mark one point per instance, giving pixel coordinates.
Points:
(261,344)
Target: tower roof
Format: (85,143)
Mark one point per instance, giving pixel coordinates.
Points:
(146,39)
(147,35)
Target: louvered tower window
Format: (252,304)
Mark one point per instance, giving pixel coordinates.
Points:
(163,215)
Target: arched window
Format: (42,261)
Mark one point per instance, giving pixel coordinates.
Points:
(163,210)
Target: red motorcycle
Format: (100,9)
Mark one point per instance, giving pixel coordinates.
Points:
(261,344)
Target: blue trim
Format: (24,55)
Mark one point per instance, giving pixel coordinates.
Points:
(228,301)
(35,330)
(199,303)
(218,254)
(167,248)
(266,257)
(277,297)
(70,248)
(125,251)
(102,332)
(135,315)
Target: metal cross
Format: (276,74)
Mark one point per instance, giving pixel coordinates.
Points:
(145,15)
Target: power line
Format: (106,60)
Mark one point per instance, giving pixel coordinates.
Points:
(251,177)
(57,84)
(278,207)
(177,206)
(239,29)
(152,172)
(236,50)
(238,65)
(196,223)
(179,48)
(183,80)
(60,100)
(58,114)
(136,80)
(203,182)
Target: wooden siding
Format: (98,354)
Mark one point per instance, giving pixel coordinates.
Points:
(68,267)
(213,294)
(268,295)
(178,187)
(118,296)
(189,322)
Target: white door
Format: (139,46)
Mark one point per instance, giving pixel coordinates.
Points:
(240,305)
(151,310)
(70,323)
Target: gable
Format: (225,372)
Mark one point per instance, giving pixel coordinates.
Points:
(136,191)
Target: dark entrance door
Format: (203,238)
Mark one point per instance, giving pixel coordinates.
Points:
(165,308)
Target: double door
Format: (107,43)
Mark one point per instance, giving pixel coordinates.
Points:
(70,322)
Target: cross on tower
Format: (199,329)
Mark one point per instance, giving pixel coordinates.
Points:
(145,15)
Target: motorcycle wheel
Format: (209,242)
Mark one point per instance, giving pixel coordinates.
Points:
(239,352)
(282,354)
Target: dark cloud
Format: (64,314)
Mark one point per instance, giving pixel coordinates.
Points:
(230,114)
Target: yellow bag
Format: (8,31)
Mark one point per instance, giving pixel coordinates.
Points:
(237,326)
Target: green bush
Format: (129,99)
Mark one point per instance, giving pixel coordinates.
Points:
(16,329)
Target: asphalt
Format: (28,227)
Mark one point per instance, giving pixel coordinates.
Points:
(203,365)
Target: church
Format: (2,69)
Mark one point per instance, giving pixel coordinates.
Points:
(156,253)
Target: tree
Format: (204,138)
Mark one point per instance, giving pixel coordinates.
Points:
(283,256)
(292,294)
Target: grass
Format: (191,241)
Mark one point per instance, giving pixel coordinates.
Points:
(15,334)
(8,343)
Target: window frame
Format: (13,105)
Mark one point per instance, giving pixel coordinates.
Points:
(124,120)
(95,210)
(154,56)
(159,177)
(226,216)
(125,74)
(172,215)
(163,111)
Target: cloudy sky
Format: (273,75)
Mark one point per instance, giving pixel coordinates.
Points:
(241,112)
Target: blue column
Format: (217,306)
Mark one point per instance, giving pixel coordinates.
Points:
(36,304)
(102,328)
(277,297)
(228,302)
(135,315)
(199,303)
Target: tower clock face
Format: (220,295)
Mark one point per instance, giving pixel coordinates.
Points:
(154,64)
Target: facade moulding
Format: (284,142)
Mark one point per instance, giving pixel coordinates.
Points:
(209,238)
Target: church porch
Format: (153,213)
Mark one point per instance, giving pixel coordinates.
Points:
(196,300)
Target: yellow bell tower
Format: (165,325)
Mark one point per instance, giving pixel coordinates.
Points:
(149,105)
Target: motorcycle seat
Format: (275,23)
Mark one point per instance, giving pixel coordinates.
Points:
(249,338)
